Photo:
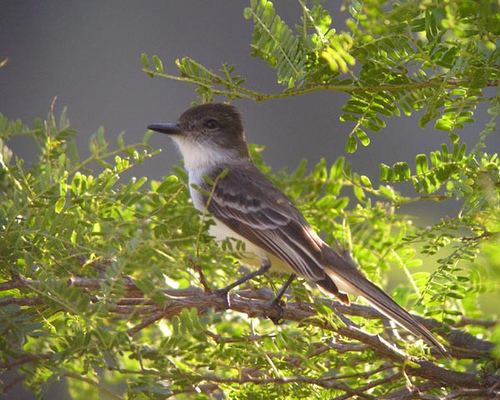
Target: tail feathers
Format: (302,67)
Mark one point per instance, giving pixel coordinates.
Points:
(347,278)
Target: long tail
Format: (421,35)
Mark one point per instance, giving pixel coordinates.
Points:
(348,278)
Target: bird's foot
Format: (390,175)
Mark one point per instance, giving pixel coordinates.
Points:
(224,294)
(225,291)
(277,305)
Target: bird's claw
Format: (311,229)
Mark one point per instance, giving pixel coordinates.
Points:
(278,318)
(224,293)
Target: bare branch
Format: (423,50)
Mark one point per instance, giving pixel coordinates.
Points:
(477,322)
(409,393)
(474,393)
(325,382)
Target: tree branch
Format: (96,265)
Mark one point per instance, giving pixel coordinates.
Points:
(256,303)
(23,359)
(462,344)
(233,91)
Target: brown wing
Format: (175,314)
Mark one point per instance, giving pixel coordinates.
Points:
(253,207)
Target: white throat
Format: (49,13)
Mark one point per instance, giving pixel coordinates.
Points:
(199,160)
(201,157)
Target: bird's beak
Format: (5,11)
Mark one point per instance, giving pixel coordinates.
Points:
(170,128)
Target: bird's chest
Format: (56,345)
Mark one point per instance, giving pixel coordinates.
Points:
(195,181)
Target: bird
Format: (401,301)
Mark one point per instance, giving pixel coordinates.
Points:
(247,206)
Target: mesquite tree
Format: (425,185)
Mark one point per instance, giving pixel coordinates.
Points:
(107,283)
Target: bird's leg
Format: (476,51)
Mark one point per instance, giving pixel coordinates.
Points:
(276,302)
(277,299)
(264,267)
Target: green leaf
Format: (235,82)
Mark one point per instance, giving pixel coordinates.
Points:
(58,207)
(336,54)
(365,181)
(359,193)
(147,136)
(337,168)
(402,171)
(145,60)
(363,137)
(385,172)
(120,141)
(421,165)
(351,145)
(340,203)
(157,63)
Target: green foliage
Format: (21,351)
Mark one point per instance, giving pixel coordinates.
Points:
(274,42)
(430,57)
(75,233)
(60,223)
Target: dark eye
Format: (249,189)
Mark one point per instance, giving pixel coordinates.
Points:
(211,124)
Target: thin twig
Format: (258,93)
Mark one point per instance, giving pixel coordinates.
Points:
(409,393)
(146,322)
(203,280)
(464,321)
(23,359)
(326,382)
(240,92)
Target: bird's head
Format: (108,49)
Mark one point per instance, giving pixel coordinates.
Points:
(207,135)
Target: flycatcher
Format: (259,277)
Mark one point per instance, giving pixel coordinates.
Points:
(248,207)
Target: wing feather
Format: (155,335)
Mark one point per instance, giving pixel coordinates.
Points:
(250,205)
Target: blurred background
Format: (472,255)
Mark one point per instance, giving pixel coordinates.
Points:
(88,55)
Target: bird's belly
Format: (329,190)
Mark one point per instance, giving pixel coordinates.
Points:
(252,254)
